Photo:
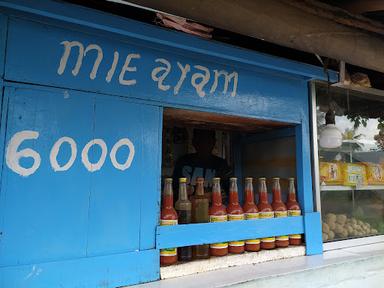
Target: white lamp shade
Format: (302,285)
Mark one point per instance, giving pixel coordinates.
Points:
(330,137)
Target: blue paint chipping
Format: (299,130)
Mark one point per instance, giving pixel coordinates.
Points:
(102,82)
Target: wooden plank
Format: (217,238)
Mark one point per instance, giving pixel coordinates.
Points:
(114,270)
(192,234)
(218,121)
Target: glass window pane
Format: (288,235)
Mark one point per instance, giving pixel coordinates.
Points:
(351,175)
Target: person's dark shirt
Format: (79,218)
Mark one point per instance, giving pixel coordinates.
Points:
(193,165)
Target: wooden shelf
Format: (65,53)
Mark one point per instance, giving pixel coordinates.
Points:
(350,188)
(365,90)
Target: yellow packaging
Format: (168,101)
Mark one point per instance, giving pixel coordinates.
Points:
(331,173)
(375,173)
(354,174)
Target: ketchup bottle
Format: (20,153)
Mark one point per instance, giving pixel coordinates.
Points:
(235,213)
(293,210)
(250,213)
(217,213)
(168,217)
(265,211)
(280,210)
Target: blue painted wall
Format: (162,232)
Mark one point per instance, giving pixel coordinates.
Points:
(99,223)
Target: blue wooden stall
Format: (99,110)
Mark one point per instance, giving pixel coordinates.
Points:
(82,97)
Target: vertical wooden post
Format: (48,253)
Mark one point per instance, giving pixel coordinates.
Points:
(312,221)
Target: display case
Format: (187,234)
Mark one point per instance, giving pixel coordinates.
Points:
(348,142)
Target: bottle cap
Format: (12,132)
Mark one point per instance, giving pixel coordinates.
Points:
(232,178)
(262,178)
(248,179)
(216,178)
(276,178)
(168,180)
(291,179)
(200,179)
(183,180)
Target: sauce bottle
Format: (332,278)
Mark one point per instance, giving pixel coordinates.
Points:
(184,211)
(168,216)
(200,214)
(217,213)
(265,211)
(235,213)
(250,213)
(280,210)
(293,210)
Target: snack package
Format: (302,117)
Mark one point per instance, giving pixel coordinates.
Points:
(354,174)
(331,173)
(375,173)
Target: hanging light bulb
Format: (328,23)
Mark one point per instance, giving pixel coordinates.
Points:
(330,135)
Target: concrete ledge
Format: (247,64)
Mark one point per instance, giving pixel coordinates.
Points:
(356,267)
(215,263)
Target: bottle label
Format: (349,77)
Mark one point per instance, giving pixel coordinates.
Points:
(268,239)
(219,245)
(250,216)
(252,241)
(167,222)
(168,252)
(235,217)
(185,216)
(294,212)
(218,218)
(295,236)
(264,215)
(280,214)
(236,243)
(282,238)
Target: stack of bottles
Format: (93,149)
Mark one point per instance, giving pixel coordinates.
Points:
(197,210)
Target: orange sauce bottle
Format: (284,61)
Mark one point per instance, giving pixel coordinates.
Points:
(265,211)
(217,213)
(168,217)
(235,213)
(280,210)
(250,213)
(293,208)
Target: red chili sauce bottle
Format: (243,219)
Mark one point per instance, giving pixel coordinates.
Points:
(235,213)
(250,213)
(168,217)
(280,210)
(293,210)
(217,213)
(265,211)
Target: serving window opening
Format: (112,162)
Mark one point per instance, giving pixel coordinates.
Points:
(239,153)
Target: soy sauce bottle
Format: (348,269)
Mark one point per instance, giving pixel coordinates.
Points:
(200,214)
(184,211)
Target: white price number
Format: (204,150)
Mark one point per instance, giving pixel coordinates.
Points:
(14,155)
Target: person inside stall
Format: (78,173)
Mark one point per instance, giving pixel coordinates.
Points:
(202,163)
